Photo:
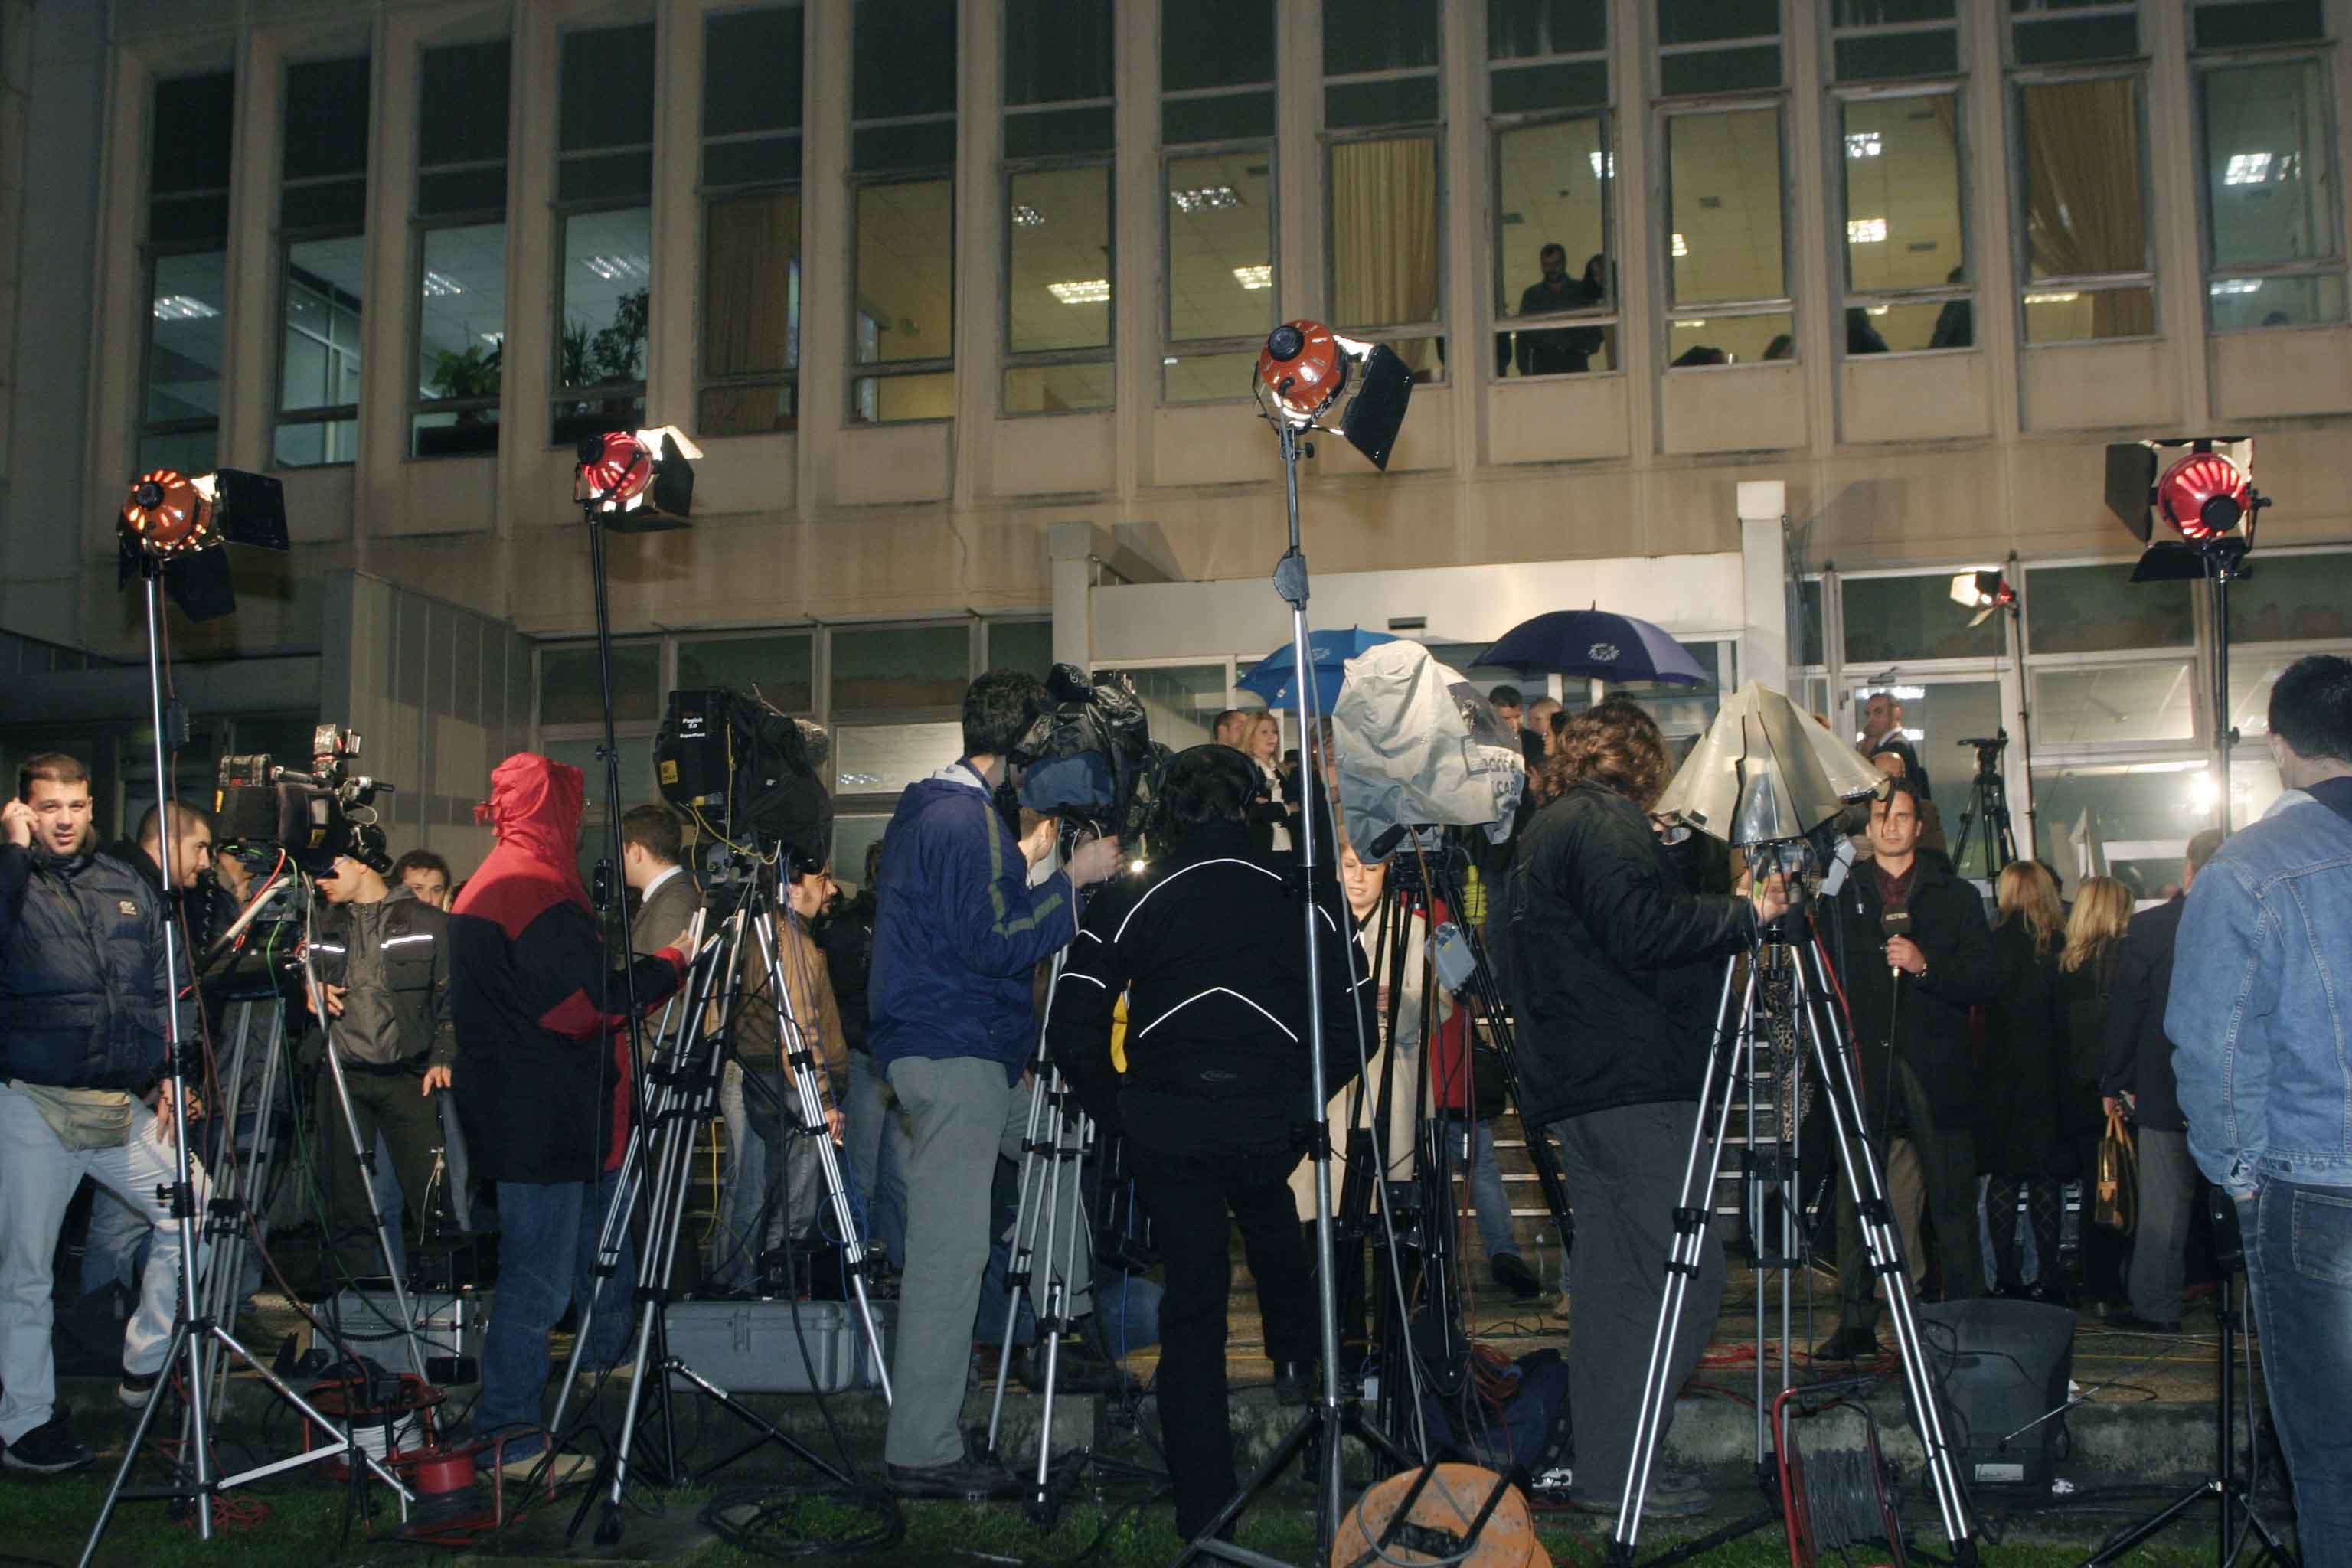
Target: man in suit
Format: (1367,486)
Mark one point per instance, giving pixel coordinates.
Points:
(651,844)
(2138,1075)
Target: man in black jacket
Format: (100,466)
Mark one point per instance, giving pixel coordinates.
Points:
(2138,1074)
(381,956)
(1912,979)
(83,1008)
(1207,947)
(1616,972)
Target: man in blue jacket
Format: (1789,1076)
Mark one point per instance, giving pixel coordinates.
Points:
(958,932)
(2261,1038)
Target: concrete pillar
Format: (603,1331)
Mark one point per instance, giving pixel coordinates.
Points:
(1764,608)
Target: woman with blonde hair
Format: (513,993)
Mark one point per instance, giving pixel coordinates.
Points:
(2020,1144)
(2086,979)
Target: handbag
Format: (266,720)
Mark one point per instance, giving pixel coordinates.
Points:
(2115,1190)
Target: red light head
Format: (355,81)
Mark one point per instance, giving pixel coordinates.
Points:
(167,513)
(615,467)
(2204,495)
(1304,367)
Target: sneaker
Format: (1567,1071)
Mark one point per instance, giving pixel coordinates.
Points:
(969,1479)
(137,1387)
(47,1450)
(1512,1273)
(1849,1343)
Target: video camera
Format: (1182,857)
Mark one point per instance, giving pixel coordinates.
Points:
(748,774)
(312,816)
(1088,757)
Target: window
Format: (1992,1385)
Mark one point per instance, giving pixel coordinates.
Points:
(1221,272)
(1717,46)
(891,669)
(1059,261)
(2273,230)
(1379,68)
(603,189)
(2302,598)
(1020,645)
(2131,820)
(1727,271)
(1877,40)
(2099,609)
(1907,264)
(569,692)
(1552,213)
(2096,704)
(751,221)
(1180,702)
(2084,225)
(322,206)
(194,121)
(2059,32)
(902,148)
(775,667)
(2247,23)
(1891,620)
(1216,70)
(1547,55)
(461,281)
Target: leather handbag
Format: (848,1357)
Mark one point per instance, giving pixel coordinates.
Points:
(2115,1185)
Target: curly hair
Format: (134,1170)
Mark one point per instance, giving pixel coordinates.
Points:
(1616,745)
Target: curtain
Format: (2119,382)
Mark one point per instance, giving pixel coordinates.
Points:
(2083,211)
(748,326)
(1384,233)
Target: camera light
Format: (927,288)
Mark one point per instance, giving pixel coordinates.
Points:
(637,480)
(1983,592)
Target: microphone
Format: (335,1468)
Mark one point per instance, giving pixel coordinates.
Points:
(1895,923)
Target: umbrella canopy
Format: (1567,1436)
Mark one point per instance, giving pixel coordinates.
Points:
(1595,645)
(1328,653)
(1765,771)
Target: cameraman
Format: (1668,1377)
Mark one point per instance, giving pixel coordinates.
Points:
(958,930)
(1919,955)
(83,1004)
(382,959)
(1615,972)
(1206,947)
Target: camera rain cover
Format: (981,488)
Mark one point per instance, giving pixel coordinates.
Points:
(1089,755)
(1419,746)
(750,771)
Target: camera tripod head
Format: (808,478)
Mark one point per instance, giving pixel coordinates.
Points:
(1987,749)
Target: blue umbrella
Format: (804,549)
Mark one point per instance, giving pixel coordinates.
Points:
(1327,652)
(1596,645)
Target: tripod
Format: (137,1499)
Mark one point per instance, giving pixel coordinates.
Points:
(193,1328)
(1800,966)
(1988,804)
(2234,1493)
(241,1184)
(686,1087)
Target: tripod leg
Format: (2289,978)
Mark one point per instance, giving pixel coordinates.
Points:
(1044,1112)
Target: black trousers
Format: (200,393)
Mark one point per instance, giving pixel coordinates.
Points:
(1196,1193)
(1947,1165)
(394,1105)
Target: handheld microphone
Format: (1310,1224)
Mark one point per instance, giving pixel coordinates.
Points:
(1895,923)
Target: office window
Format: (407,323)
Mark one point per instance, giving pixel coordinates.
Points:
(461,280)
(1893,620)
(1552,216)
(773,667)
(1907,265)
(1384,243)
(2273,228)
(2085,221)
(322,206)
(1717,46)
(191,123)
(751,221)
(1216,70)
(2302,598)
(888,668)
(903,98)
(1059,270)
(1221,272)
(603,187)
(1380,63)
(2062,32)
(1728,270)
(1881,40)
(2250,23)
(1547,55)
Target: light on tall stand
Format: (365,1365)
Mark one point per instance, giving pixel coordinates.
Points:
(2206,495)
(1309,378)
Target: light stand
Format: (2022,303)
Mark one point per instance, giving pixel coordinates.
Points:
(2224,562)
(193,1328)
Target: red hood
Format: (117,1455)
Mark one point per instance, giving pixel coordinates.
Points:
(535,806)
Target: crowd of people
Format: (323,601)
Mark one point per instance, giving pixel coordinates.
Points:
(480,1030)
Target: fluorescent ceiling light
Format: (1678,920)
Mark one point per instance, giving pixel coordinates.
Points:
(183,307)
(2239,286)
(439,283)
(1680,248)
(1604,163)
(1083,292)
(1862,144)
(1204,198)
(1876,309)
(1167,359)
(2051,298)
(614,268)
(2247,169)
(1865,231)
(1026,217)
(496,340)
(1254,278)
(1698,321)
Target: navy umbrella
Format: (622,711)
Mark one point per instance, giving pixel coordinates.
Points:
(1595,645)
(1327,652)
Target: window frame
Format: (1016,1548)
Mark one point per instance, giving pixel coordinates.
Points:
(280,416)
(1610,315)
(1170,345)
(1841,211)
(1663,114)
(420,231)
(2202,65)
(143,428)
(2020,238)
(895,369)
(1329,143)
(1832,33)
(1009,359)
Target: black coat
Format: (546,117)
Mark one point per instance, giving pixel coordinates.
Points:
(1615,970)
(1931,1025)
(2024,1077)
(82,988)
(845,936)
(2137,1057)
(2084,998)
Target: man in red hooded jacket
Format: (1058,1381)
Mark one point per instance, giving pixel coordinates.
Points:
(542,1083)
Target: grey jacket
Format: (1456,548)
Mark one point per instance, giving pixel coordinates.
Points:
(661,917)
(391,958)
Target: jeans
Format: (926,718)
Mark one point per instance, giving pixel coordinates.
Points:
(1487,1197)
(877,1139)
(39,1173)
(2168,1192)
(547,1262)
(2299,1264)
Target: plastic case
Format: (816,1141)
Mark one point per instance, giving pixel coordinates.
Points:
(755,1347)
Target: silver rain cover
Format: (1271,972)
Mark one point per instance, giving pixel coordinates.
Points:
(1765,770)
(1419,746)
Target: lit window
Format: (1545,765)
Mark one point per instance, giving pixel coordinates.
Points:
(1915,294)
(1724,213)
(1865,231)
(751,300)
(2085,212)
(902,283)
(460,206)
(603,188)
(2270,195)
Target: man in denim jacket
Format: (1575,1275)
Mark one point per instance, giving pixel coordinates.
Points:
(2261,1021)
